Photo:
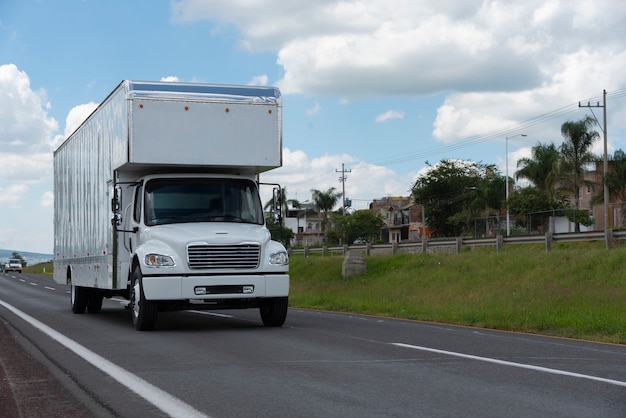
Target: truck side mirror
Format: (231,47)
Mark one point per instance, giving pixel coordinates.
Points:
(277,206)
(116,205)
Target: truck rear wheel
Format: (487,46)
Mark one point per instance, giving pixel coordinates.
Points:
(79,298)
(94,301)
(274,312)
(144,311)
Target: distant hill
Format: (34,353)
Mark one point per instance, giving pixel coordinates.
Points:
(30,258)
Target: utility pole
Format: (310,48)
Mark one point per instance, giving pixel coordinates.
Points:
(343,179)
(606,158)
(506,156)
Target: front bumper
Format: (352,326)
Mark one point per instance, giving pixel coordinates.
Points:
(215,287)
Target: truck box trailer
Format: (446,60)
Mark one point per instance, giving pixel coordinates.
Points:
(156,199)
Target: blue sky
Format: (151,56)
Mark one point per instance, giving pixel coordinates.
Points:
(381,86)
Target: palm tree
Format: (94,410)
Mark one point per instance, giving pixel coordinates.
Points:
(576,154)
(325,202)
(541,169)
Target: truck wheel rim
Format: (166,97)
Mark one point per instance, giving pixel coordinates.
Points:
(135,298)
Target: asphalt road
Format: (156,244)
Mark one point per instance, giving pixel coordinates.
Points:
(320,364)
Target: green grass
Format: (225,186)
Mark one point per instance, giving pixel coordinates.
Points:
(42,268)
(576,290)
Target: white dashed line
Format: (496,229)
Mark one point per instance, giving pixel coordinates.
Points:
(512,364)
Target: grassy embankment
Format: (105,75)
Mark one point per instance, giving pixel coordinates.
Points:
(43,268)
(576,290)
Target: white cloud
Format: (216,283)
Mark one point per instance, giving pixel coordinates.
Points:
(47,200)
(390,114)
(170,78)
(23,118)
(74,119)
(11,195)
(25,168)
(25,138)
(314,110)
(365,182)
(259,80)
(77,116)
(500,63)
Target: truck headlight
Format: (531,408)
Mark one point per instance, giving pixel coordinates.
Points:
(159,260)
(279,258)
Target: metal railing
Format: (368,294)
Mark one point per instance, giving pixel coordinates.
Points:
(455,245)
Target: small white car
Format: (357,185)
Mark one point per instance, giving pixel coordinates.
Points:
(14,264)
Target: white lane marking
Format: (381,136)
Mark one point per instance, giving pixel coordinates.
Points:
(49,288)
(33,284)
(513,364)
(157,397)
(211,313)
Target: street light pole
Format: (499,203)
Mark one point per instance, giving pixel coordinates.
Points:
(506,156)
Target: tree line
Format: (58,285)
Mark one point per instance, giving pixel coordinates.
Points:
(336,227)
(455,193)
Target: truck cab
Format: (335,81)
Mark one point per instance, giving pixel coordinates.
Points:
(199,241)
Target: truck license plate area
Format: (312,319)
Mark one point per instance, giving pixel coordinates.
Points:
(224,290)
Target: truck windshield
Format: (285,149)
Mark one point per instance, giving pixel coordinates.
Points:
(201,200)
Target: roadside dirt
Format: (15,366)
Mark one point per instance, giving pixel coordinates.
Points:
(32,387)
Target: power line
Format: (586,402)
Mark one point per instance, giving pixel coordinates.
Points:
(473,140)
(476,139)
(498,134)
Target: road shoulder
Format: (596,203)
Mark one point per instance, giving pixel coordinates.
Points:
(33,386)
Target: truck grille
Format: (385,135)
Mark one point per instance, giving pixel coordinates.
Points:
(243,256)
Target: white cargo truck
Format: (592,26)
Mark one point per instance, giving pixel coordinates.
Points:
(156,199)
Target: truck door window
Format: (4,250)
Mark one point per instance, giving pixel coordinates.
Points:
(201,200)
(137,205)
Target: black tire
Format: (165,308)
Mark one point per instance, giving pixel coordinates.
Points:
(94,301)
(144,312)
(274,312)
(79,299)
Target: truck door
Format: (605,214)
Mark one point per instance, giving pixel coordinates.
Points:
(123,208)
(134,221)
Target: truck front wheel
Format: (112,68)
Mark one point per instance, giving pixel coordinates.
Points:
(144,311)
(79,298)
(274,312)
